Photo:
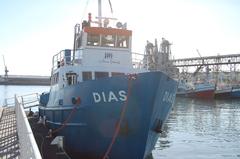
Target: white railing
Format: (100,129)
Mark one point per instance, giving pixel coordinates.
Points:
(138,60)
(62,59)
(29,100)
(28,145)
(9,102)
(66,57)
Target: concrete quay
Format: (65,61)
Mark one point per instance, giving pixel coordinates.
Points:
(24,80)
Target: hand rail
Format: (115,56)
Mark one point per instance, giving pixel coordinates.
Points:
(138,60)
(66,57)
(29,100)
(8,102)
(28,145)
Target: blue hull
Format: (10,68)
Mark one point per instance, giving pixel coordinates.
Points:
(231,94)
(235,93)
(89,131)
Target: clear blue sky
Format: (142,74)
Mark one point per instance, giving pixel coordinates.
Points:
(31,32)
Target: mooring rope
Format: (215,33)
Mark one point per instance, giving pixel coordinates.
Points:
(131,77)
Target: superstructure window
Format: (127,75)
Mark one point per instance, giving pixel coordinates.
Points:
(87,76)
(71,78)
(122,41)
(108,40)
(101,75)
(93,40)
(117,73)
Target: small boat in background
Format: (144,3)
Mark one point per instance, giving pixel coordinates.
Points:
(235,93)
(203,90)
(228,92)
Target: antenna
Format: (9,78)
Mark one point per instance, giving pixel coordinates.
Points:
(100,13)
(110,4)
(5,70)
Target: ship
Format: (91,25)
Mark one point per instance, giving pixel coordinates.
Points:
(203,90)
(101,104)
(228,92)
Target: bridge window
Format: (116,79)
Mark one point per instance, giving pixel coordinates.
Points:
(122,41)
(117,74)
(93,40)
(87,76)
(101,75)
(71,78)
(108,40)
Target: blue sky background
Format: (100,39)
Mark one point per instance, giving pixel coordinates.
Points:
(31,32)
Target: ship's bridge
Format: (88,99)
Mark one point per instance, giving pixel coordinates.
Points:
(104,47)
(97,50)
(98,47)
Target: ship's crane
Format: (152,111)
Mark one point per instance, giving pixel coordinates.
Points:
(5,68)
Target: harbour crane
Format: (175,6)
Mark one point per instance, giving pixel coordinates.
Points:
(5,70)
(200,67)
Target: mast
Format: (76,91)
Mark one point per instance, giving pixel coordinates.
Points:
(99,13)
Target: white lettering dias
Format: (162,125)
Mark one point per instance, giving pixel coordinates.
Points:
(109,96)
(168,97)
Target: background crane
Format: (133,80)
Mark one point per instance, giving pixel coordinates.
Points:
(5,68)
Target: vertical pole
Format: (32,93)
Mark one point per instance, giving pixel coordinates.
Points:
(100,13)
(74,42)
(5,102)
(22,101)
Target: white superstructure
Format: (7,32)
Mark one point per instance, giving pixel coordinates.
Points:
(98,52)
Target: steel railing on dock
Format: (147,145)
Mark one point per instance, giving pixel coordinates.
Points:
(28,145)
(29,100)
(25,140)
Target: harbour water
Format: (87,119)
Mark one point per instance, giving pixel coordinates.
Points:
(201,129)
(8,91)
(196,129)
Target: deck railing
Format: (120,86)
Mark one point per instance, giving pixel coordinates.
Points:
(67,57)
(138,60)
